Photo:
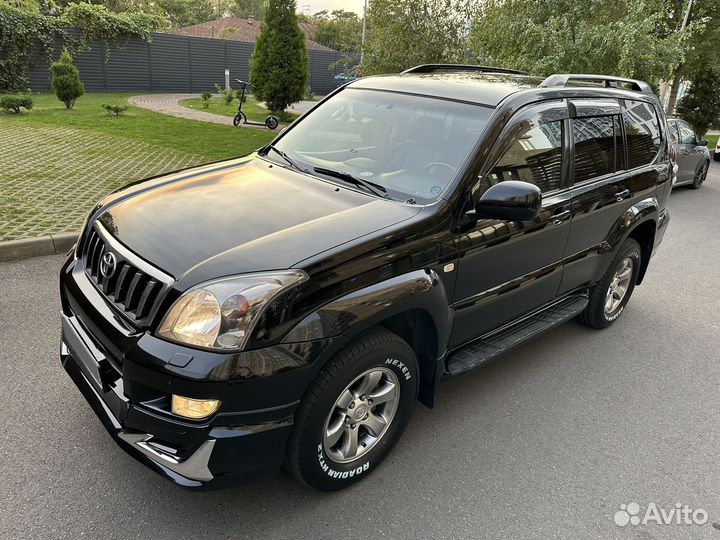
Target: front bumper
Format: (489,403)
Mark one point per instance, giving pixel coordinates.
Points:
(128,376)
(212,456)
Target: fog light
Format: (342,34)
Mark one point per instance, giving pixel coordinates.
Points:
(194,408)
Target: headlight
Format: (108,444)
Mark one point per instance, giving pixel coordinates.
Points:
(221,314)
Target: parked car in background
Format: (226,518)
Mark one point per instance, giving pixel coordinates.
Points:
(290,307)
(691,154)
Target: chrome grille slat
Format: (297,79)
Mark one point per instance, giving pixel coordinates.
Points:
(135,287)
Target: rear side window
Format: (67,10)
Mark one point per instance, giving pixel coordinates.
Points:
(535,157)
(642,131)
(672,126)
(598,146)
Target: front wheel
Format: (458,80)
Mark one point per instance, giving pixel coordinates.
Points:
(239,119)
(354,412)
(611,294)
(271,122)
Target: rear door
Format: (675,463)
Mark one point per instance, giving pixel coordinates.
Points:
(614,144)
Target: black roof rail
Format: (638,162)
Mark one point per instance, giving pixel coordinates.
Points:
(562,79)
(432,68)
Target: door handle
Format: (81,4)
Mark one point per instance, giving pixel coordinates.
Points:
(620,195)
(560,217)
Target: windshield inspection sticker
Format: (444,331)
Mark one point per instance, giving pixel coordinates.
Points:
(435,190)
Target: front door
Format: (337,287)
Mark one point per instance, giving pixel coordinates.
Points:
(689,154)
(508,268)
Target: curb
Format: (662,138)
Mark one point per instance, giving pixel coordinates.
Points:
(24,248)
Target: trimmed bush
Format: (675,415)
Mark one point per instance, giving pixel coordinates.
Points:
(117,110)
(15,102)
(66,80)
(206,99)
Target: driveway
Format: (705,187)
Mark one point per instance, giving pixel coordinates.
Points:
(547,442)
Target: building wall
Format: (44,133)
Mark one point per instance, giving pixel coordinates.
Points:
(172,63)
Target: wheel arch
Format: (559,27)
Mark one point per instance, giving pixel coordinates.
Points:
(414,306)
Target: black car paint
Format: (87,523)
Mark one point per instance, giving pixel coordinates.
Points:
(370,261)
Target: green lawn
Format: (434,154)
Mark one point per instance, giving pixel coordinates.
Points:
(211,141)
(55,164)
(252,110)
(712,141)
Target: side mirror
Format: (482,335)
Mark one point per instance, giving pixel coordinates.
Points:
(510,201)
(702,142)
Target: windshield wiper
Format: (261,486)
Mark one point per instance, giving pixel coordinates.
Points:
(283,155)
(372,187)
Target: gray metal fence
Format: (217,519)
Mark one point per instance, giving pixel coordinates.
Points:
(171,63)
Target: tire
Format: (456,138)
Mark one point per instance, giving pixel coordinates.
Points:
(716,156)
(700,176)
(239,119)
(598,314)
(271,122)
(316,459)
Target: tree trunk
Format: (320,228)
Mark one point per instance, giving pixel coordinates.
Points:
(674,90)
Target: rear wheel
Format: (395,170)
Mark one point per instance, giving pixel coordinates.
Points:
(354,412)
(271,122)
(700,176)
(611,294)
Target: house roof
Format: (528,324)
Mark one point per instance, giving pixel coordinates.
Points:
(236,29)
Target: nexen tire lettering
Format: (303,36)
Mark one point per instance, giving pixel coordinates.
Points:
(337,474)
(399,364)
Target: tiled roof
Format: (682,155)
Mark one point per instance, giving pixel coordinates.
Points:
(237,29)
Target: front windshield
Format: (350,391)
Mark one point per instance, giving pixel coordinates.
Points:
(410,145)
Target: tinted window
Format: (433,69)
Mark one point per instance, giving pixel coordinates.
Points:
(598,146)
(642,131)
(535,157)
(687,135)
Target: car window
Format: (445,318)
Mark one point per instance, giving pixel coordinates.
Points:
(642,132)
(672,126)
(411,145)
(687,135)
(535,156)
(598,146)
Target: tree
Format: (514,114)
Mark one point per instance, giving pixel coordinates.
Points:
(247,8)
(404,33)
(279,65)
(702,29)
(66,80)
(700,105)
(612,37)
(340,30)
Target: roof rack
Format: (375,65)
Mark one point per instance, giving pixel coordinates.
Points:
(432,68)
(562,79)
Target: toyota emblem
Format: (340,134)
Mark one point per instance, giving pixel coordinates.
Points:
(107,265)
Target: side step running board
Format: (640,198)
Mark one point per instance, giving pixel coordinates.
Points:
(483,350)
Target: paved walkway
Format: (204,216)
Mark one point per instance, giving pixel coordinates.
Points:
(169,104)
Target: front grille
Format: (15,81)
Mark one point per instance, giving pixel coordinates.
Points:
(134,291)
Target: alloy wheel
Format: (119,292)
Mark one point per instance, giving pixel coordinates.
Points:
(619,286)
(361,415)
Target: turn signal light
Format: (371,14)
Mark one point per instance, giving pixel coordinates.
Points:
(194,408)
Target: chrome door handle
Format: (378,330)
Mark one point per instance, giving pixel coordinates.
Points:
(560,217)
(620,195)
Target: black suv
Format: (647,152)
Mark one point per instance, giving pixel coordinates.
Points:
(290,307)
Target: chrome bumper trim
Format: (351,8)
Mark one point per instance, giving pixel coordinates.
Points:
(195,467)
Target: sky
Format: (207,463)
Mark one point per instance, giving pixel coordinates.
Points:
(313,6)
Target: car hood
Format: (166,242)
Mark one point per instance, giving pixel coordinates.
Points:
(244,216)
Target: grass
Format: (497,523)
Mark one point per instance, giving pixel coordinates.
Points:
(212,141)
(252,110)
(712,141)
(56,163)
